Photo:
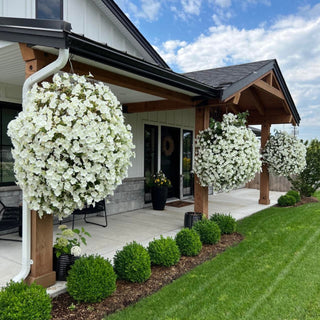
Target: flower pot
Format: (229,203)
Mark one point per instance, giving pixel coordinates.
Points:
(190,218)
(159,197)
(62,265)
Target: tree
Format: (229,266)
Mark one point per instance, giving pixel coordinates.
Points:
(308,181)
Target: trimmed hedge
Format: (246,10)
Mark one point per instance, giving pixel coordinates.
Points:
(164,252)
(189,242)
(208,231)
(226,223)
(286,201)
(91,279)
(294,194)
(19,301)
(132,263)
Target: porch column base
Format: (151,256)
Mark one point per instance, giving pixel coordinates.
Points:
(264,201)
(45,280)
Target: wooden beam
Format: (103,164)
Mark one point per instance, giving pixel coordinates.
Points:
(41,229)
(268,78)
(257,101)
(108,76)
(268,88)
(159,105)
(264,175)
(273,118)
(201,193)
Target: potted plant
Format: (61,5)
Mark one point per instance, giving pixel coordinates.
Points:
(67,249)
(159,190)
(190,218)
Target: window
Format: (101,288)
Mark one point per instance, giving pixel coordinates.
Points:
(52,9)
(187,163)
(150,156)
(8,111)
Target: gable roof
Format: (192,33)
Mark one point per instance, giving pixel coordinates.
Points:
(231,79)
(133,31)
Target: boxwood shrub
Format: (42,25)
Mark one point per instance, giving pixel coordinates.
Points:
(132,263)
(285,201)
(164,252)
(208,231)
(294,194)
(91,279)
(188,241)
(226,223)
(19,301)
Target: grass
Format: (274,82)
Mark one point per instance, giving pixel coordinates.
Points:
(273,274)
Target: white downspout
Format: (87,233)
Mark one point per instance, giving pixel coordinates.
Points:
(38,76)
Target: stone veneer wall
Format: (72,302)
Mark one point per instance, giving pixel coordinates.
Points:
(276,183)
(127,197)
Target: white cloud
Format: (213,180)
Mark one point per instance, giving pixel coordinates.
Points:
(293,40)
(147,9)
(191,6)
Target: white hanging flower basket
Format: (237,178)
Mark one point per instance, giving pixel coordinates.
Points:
(71,145)
(227,154)
(284,154)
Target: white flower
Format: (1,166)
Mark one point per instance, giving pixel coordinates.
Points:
(227,155)
(284,154)
(70,150)
(76,251)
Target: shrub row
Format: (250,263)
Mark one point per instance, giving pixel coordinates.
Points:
(289,199)
(92,278)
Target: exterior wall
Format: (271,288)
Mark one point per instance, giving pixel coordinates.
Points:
(10,93)
(276,183)
(85,17)
(174,118)
(17,8)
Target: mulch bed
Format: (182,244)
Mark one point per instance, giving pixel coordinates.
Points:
(179,204)
(306,200)
(128,293)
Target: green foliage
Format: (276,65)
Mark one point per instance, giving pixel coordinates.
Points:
(308,181)
(132,263)
(18,301)
(91,279)
(286,201)
(164,252)
(226,223)
(189,242)
(208,230)
(294,194)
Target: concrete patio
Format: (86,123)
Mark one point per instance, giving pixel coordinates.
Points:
(139,225)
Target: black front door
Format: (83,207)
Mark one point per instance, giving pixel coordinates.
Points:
(170,158)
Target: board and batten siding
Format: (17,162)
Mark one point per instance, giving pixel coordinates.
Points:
(87,17)
(178,118)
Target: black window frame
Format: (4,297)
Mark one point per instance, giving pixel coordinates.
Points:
(6,105)
(61,11)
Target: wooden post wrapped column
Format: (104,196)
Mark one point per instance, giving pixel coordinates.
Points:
(201,193)
(264,175)
(41,229)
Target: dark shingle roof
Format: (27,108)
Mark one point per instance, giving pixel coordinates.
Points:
(221,78)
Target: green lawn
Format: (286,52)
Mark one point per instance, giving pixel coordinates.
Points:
(273,274)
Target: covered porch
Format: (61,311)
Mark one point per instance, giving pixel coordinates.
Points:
(140,225)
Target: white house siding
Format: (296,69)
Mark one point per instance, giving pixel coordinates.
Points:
(17,8)
(88,19)
(10,93)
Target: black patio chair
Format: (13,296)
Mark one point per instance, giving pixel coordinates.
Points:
(10,218)
(99,207)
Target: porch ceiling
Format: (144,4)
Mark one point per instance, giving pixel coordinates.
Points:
(12,73)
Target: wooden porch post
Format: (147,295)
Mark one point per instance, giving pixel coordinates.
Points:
(41,229)
(264,175)
(201,193)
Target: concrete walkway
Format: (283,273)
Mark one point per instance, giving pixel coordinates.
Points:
(140,225)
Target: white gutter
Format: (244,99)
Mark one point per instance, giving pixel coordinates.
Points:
(38,76)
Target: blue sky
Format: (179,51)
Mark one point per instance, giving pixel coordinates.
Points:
(200,34)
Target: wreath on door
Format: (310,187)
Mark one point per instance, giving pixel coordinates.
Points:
(167,146)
